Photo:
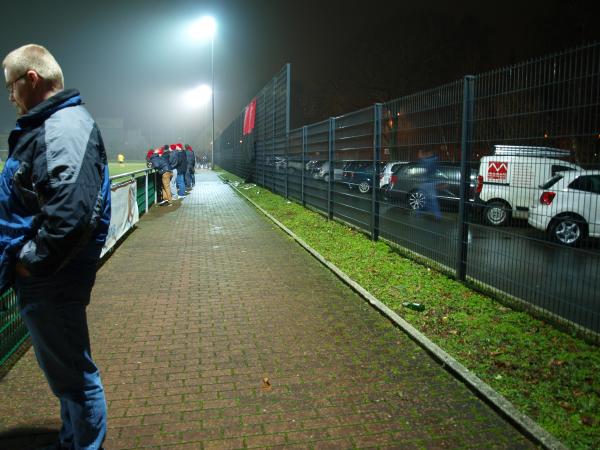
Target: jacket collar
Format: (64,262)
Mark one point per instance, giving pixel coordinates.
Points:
(39,113)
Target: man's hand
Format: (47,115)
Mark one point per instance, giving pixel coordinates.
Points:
(22,270)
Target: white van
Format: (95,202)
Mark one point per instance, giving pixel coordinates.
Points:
(509,180)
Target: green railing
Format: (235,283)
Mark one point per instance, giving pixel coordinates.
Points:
(13,333)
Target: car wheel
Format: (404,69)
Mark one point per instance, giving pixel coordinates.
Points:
(497,214)
(568,230)
(364,187)
(416,200)
(326,178)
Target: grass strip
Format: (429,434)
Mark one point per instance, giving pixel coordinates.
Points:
(549,375)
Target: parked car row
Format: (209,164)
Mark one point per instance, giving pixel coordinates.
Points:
(530,183)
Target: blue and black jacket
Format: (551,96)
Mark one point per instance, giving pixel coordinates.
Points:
(159,163)
(173,159)
(54,188)
(182,164)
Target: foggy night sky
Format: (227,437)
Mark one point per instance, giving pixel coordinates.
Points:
(132,59)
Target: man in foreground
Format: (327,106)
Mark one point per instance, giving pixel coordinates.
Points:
(54,216)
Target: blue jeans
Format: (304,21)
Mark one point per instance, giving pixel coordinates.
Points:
(174,183)
(189,179)
(180,184)
(431,201)
(53,308)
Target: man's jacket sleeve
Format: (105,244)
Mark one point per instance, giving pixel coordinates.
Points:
(67,178)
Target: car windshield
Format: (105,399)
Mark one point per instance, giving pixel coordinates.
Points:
(551,182)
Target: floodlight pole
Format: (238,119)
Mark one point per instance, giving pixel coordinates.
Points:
(212,66)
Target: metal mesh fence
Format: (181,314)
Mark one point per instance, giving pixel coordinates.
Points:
(535,122)
(242,154)
(492,178)
(414,129)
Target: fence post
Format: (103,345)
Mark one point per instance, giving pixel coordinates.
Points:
(375,180)
(304,148)
(331,149)
(465,176)
(264,164)
(288,90)
(287,162)
(273,185)
(146,181)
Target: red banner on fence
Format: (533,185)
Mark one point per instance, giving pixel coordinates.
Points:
(249,116)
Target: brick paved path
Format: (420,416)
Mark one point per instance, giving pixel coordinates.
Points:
(205,300)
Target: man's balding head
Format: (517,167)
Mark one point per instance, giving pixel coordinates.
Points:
(32,75)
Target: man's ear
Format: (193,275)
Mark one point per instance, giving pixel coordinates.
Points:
(33,77)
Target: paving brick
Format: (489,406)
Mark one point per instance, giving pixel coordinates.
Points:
(183,350)
(224,444)
(267,440)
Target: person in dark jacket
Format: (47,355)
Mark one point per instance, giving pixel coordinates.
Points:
(54,219)
(190,179)
(162,166)
(181,170)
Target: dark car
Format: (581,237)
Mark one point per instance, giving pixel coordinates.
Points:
(405,186)
(359,174)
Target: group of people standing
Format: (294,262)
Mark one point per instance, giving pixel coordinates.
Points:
(175,164)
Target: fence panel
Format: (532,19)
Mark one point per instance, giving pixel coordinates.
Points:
(296,162)
(419,210)
(238,152)
(353,159)
(316,184)
(532,121)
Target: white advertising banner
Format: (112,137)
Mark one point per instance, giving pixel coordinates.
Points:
(124,212)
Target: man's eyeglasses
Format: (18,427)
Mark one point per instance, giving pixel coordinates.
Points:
(11,84)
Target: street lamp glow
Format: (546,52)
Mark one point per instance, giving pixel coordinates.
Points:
(203,28)
(199,96)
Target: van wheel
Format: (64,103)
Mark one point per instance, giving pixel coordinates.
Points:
(497,213)
(568,230)
(364,187)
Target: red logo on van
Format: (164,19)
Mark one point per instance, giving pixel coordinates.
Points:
(497,170)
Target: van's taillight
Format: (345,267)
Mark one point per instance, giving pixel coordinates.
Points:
(547,197)
(479,184)
(393,180)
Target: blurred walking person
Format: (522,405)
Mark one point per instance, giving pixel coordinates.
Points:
(429,161)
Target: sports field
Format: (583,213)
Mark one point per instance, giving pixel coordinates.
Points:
(114,168)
